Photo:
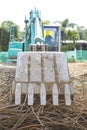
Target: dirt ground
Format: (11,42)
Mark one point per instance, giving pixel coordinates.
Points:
(78,75)
(73,118)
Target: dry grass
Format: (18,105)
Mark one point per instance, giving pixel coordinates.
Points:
(49,117)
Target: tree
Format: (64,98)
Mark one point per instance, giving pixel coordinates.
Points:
(85,34)
(4,39)
(5,34)
(65,23)
(72,35)
(7,25)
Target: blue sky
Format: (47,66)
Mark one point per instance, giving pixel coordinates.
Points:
(15,10)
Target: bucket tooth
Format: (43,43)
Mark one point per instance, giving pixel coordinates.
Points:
(30,94)
(43,94)
(67,95)
(55,95)
(18,94)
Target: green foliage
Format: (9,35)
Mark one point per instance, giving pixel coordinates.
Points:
(72,35)
(65,23)
(71,46)
(64,48)
(21,35)
(5,34)
(4,39)
(16,32)
(7,25)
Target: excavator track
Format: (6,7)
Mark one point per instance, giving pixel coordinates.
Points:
(43,73)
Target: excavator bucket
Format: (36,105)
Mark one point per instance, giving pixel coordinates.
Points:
(42,73)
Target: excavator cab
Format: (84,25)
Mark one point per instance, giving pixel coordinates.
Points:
(52,36)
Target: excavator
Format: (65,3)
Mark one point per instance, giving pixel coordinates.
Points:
(41,67)
(14,46)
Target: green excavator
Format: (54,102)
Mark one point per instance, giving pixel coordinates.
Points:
(41,66)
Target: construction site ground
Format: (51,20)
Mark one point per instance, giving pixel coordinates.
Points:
(49,117)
